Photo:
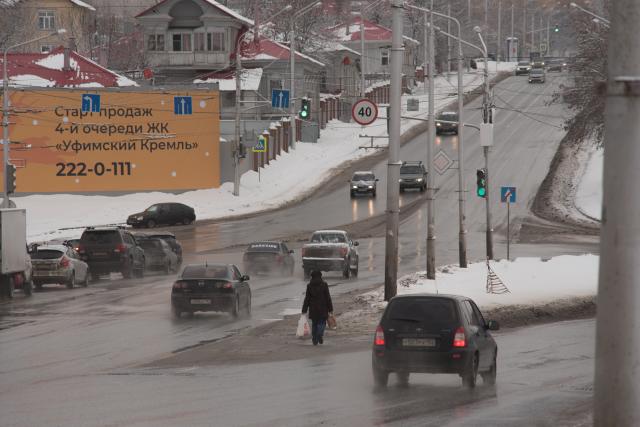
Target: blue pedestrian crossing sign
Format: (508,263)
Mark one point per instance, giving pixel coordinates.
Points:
(261,145)
(279,98)
(182,105)
(90,103)
(508,194)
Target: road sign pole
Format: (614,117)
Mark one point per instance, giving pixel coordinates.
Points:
(431,227)
(508,226)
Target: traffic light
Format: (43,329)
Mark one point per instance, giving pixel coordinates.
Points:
(305,109)
(481,182)
(556,29)
(11,178)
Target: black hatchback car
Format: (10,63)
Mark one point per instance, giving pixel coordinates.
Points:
(436,334)
(211,287)
(163,214)
(268,257)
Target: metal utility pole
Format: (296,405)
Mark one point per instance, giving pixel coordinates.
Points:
(448,41)
(425,43)
(533,34)
(393,166)
(498,54)
(486,12)
(292,84)
(462,191)
(238,139)
(512,9)
(487,118)
(469,11)
(548,35)
(524,26)
(617,367)
(431,226)
(363,89)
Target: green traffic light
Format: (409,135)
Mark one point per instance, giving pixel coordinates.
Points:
(482,192)
(556,30)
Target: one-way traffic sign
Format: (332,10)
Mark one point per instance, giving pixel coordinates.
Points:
(182,105)
(279,98)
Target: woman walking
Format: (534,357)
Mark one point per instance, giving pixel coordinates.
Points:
(318,301)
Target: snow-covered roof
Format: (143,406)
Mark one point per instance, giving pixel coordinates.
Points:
(46,70)
(80,3)
(250,80)
(83,4)
(372,32)
(222,8)
(270,50)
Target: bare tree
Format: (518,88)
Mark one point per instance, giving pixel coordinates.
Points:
(12,23)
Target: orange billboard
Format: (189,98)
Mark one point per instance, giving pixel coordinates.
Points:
(114,140)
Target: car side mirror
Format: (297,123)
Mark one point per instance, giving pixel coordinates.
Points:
(245,278)
(493,325)
(356,244)
(377,179)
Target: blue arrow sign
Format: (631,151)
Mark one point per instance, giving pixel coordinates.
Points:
(279,98)
(90,103)
(182,105)
(508,194)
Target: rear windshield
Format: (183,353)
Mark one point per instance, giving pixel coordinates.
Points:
(205,272)
(411,169)
(431,312)
(264,247)
(102,237)
(328,238)
(149,244)
(363,177)
(46,254)
(449,116)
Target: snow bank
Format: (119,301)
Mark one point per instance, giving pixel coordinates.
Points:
(529,280)
(589,194)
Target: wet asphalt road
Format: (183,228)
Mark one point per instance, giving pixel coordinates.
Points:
(62,352)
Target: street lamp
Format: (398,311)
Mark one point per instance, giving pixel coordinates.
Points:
(236,150)
(292,55)
(5,111)
(605,21)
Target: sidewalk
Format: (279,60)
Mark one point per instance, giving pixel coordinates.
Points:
(283,181)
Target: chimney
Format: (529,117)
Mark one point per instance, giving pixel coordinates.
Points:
(67,59)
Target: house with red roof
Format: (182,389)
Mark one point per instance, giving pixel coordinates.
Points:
(62,68)
(377,48)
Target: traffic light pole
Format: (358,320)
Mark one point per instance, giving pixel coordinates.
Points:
(617,364)
(431,226)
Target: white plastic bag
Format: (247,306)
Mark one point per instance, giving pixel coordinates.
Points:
(303,330)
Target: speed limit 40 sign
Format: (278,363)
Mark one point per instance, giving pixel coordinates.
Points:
(364,112)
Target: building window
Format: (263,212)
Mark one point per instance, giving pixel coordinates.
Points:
(155,42)
(215,42)
(385,57)
(46,48)
(182,42)
(46,20)
(199,42)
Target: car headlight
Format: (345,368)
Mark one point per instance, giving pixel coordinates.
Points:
(400,180)
(370,187)
(354,187)
(139,218)
(419,179)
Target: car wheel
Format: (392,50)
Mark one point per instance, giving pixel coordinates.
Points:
(471,375)
(346,272)
(403,378)
(151,223)
(353,195)
(94,277)
(72,280)
(374,193)
(380,377)
(9,287)
(247,307)
(186,221)
(176,312)
(422,189)
(235,310)
(354,271)
(489,377)
(87,279)
(27,288)
(126,270)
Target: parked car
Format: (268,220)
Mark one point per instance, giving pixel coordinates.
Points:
(268,257)
(330,250)
(163,214)
(435,334)
(443,124)
(211,287)
(158,255)
(536,75)
(168,237)
(413,175)
(363,182)
(59,264)
(111,249)
(523,67)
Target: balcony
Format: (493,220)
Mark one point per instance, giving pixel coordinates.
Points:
(189,59)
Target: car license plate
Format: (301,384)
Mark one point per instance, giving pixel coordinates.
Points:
(418,342)
(99,254)
(201,301)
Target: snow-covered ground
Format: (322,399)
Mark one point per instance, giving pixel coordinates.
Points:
(529,280)
(589,194)
(284,180)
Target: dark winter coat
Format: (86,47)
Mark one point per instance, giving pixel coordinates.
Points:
(317,299)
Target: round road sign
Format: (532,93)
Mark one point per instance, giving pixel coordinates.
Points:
(364,112)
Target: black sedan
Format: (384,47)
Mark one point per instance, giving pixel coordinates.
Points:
(211,287)
(269,257)
(163,213)
(436,334)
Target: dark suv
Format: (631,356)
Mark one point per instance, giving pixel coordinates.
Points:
(163,213)
(413,175)
(111,249)
(436,334)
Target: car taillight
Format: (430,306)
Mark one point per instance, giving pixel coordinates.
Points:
(80,249)
(121,248)
(64,262)
(227,285)
(180,285)
(343,251)
(459,340)
(379,339)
